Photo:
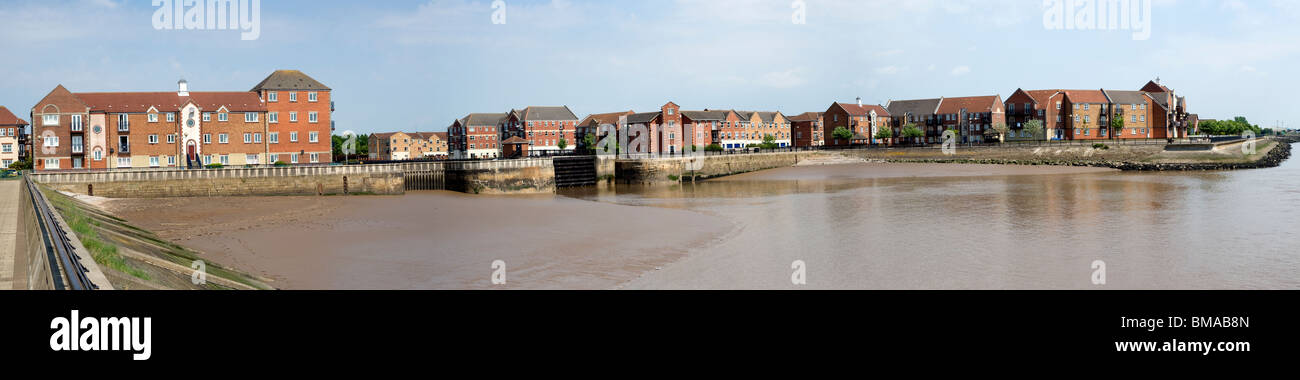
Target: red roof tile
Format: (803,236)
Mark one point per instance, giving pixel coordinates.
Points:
(8,118)
(969,103)
(1086,96)
(137,102)
(860,110)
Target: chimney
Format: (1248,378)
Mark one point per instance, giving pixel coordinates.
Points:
(183,88)
(859,101)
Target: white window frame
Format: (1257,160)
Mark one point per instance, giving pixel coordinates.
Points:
(293,97)
(207,116)
(311,96)
(153,139)
(273,137)
(314,157)
(293,116)
(153,161)
(257,137)
(223,138)
(250,117)
(313,136)
(76,122)
(207,138)
(312,117)
(50,119)
(223,116)
(171,117)
(293,136)
(54,165)
(248,138)
(272,117)
(153,118)
(272,96)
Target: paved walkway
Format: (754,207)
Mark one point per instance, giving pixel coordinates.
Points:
(9,192)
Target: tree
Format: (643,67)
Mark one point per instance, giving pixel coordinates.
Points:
(1116,126)
(1035,128)
(884,134)
(769,142)
(999,130)
(588,141)
(562,144)
(842,133)
(910,131)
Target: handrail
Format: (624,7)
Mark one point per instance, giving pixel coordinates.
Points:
(65,265)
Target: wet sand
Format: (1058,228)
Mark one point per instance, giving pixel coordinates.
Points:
(428,240)
(905,170)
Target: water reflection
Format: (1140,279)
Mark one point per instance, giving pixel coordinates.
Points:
(938,226)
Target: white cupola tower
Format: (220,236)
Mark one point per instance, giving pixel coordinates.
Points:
(183,88)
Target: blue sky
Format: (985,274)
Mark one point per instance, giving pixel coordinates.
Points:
(418,65)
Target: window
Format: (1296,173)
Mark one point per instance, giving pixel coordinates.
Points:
(313,136)
(274,158)
(51,141)
(293,136)
(272,96)
(207,116)
(293,158)
(98,154)
(207,159)
(1142,118)
(1133,118)
(8,148)
(52,163)
(171,160)
(311,117)
(272,117)
(273,137)
(315,157)
(153,139)
(123,123)
(311,96)
(76,123)
(207,138)
(293,117)
(250,159)
(293,96)
(50,120)
(257,138)
(248,138)
(153,161)
(124,162)
(153,118)
(225,159)
(250,117)
(124,144)
(223,138)
(171,118)
(223,117)
(171,138)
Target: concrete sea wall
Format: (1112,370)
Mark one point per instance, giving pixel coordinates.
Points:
(320,180)
(672,170)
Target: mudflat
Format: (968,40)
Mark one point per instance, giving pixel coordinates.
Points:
(428,240)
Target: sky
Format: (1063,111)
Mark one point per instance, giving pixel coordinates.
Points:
(418,65)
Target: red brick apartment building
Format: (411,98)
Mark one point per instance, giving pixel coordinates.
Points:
(1135,108)
(178,129)
(543,127)
(921,112)
(971,115)
(711,125)
(477,136)
(807,128)
(298,117)
(862,120)
(601,126)
(13,138)
(1086,118)
(1173,120)
(1042,105)
(667,129)
(398,146)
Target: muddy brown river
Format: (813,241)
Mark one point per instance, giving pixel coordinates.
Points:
(857,226)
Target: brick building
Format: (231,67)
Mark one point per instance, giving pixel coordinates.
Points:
(600,126)
(1042,105)
(476,136)
(666,131)
(13,138)
(1085,114)
(710,125)
(1172,121)
(398,146)
(544,128)
(148,129)
(299,123)
(807,128)
(920,112)
(1135,108)
(862,120)
(971,115)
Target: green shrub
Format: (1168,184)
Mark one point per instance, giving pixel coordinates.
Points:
(1100,146)
(281,163)
(713,148)
(214,166)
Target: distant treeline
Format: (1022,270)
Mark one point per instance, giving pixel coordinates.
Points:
(1230,127)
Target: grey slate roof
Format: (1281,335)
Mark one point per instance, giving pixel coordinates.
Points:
(712,115)
(289,80)
(745,116)
(1126,97)
(921,108)
(768,117)
(483,119)
(642,118)
(545,113)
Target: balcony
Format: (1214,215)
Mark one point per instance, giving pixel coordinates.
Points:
(124,148)
(78,149)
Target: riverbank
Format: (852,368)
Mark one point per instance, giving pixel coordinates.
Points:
(1269,153)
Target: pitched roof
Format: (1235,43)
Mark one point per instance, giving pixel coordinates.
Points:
(384,135)
(859,110)
(917,107)
(545,113)
(1042,97)
(483,119)
(1126,97)
(137,102)
(289,80)
(1153,86)
(1086,96)
(515,140)
(642,118)
(745,116)
(8,118)
(768,117)
(807,116)
(706,115)
(610,118)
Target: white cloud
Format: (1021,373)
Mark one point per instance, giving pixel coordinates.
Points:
(888,70)
(960,70)
(784,79)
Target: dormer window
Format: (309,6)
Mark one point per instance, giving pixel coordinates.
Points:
(153,118)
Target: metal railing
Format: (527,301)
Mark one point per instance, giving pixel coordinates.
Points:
(65,265)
